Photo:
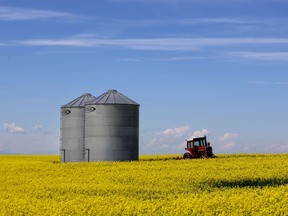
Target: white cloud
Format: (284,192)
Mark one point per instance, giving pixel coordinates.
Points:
(170,140)
(280,83)
(62,42)
(180,58)
(29,143)
(277,147)
(264,56)
(14,13)
(195,21)
(229,136)
(37,127)
(199,133)
(257,82)
(267,83)
(13,128)
(178,132)
(164,146)
(222,20)
(228,143)
(168,44)
(272,145)
(232,20)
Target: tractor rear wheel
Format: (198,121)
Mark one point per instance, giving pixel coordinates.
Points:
(187,155)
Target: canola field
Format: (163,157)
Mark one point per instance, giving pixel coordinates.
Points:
(155,185)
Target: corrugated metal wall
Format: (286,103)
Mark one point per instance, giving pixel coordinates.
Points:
(112,132)
(72,134)
(105,128)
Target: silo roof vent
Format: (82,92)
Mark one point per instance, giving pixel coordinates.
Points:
(113,97)
(81,101)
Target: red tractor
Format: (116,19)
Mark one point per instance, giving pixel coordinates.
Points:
(198,148)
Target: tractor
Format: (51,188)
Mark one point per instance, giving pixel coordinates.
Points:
(198,148)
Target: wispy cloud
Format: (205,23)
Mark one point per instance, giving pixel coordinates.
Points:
(61,42)
(264,56)
(195,21)
(14,128)
(180,58)
(14,13)
(257,82)
(37,127)
(226,20)
(280,83)
(165,44)
(172,140)
(199,133)
(229,136)
(29,143)
(267,82)
(228,141)
(178,132)
(170,137)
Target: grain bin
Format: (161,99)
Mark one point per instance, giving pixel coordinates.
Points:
(72,129)
(112,128)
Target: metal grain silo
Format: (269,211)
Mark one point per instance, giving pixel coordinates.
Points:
(72,129)
(112,128)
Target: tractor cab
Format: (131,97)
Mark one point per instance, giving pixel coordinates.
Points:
(198,148)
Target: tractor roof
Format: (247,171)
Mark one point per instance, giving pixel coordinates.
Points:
(197,138)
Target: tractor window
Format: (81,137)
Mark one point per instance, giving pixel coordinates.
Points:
(196,143)
(189,144)
(203,143)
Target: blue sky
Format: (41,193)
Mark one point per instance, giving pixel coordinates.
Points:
(209,67)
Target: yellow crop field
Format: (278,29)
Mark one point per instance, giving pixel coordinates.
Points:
(155,185)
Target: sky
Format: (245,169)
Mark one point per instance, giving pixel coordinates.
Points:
(197,67)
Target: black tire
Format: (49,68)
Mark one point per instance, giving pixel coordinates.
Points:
(209,151)
(187,155)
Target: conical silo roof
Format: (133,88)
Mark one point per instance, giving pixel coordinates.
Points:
(80,101)
(113,97)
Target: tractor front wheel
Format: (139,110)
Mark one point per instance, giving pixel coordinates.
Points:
(187,155)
